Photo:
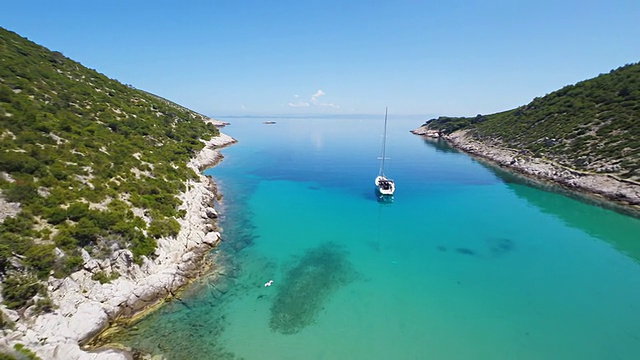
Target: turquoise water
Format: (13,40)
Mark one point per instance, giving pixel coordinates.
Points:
(467,262)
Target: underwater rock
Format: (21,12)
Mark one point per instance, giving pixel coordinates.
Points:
(223,285)
(499,246)
(307,286)
(373,245)
(466,251)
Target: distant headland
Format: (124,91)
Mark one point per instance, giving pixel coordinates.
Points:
(584,137)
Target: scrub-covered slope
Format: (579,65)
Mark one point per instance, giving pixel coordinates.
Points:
(86,164)
(592,126)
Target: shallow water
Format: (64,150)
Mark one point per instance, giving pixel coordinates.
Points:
(466,262)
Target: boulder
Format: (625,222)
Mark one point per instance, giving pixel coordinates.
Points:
(88,321)
(92,266)
(211,239)
(211,213)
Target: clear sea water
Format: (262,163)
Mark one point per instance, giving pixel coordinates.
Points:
(467,262)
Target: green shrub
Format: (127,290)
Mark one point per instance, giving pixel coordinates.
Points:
(21,224)
(43,305)
(77,211)
(18,162)
(65,240)
(106,219)
(142,246)
(68,264)
(7,357)
(5,323)
(103,277)
(85,232)
(25,353)
(21,192)
(16,243)
(5,257)
(18,290)
(56,215)
(163,227)
(59,172)
(41,258)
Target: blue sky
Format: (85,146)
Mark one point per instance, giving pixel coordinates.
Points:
(427,58)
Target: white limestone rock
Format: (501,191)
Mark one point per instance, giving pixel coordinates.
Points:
(607,186)
(211,239)
(211,213)
(88,321)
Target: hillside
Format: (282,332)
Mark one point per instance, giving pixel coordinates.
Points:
(592,126)
(87,165)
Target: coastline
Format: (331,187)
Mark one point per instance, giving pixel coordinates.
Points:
(85,307)
(622,195)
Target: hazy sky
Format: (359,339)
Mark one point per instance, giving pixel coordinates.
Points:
(237,57)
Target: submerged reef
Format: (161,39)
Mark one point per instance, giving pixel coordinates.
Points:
(496,247)
(466,251)
(500,246)
(307,285)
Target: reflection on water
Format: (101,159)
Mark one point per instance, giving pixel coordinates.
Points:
(602,220)
(620,231)
(578,213)
(440,145)
(608,225)
(383,199)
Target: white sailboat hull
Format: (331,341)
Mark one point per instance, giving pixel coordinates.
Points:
(385,186)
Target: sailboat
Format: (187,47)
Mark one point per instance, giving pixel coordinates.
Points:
(384,186)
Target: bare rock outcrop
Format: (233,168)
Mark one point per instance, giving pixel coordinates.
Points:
(620,191)
(425,131)
(8,209)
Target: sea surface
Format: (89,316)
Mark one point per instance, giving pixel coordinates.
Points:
(466,262)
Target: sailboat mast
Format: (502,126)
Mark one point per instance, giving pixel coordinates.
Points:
(384,142)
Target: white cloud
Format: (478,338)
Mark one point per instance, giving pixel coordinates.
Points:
(329,105)
(314,97)
(314,100)
(299,104)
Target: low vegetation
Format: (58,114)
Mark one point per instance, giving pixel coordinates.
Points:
(19,352)
(593,125)
(95,165)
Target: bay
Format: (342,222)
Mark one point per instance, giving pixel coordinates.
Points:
(466,262)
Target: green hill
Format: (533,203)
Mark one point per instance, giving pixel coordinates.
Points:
(591,126)
(81,153)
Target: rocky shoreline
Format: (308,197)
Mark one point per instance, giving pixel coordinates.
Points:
(622,194)
(85,307)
